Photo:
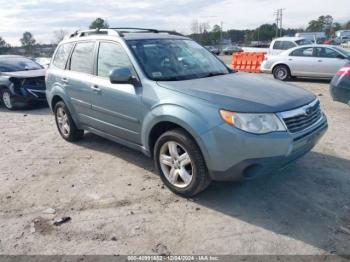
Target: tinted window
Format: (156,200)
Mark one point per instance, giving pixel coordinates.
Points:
(83,58)
(13,64)
(287,45)
(304,42)
(326,52)
(303,52)
(283,45)
(277,45)
(61,56)
(111,56)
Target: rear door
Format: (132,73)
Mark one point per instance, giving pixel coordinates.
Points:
(78,79)
(116,107)
(329,61)
(302,62)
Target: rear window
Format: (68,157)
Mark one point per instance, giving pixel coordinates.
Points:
(83,58)
(14,64)
(61,56)
(283,45)
(304,42)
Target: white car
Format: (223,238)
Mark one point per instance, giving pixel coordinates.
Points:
(43,61)
(315,61)
(281,44)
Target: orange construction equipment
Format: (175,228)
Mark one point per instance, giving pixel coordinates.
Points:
(248,61)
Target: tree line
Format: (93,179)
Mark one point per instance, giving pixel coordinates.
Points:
(203,33)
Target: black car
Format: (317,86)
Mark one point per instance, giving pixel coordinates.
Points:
(232,49)
(340,85)
(213,50)
(22,82)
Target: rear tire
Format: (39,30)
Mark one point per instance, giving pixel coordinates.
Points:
(180,163)
(281,72)
(65,124)
(7,99)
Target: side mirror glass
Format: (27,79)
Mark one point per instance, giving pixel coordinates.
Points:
(121,76)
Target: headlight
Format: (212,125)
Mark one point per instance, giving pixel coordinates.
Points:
(253,123)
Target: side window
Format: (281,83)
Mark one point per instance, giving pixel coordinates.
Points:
(277,45)
(111,56)
(308,52)
(61,56)
(287,45)
(326,52)
(83,57)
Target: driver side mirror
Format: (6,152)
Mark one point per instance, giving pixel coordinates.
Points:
(122,76)
(340,56)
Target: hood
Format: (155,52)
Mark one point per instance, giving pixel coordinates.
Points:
(242,92)
(25,74)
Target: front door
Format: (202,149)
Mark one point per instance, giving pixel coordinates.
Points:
(116,107)
(329,61)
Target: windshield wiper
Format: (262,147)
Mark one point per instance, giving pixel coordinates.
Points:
(211,74)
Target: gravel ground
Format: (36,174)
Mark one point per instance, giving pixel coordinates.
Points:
(118,204)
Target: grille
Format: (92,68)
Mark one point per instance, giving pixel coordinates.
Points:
(35,81)
(302,118)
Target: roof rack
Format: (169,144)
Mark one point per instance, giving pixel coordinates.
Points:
(82,33)
(126,30)
(118,31)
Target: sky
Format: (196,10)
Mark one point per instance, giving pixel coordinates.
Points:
(43,17)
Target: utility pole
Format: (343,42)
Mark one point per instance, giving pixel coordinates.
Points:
(279,19)
(221,30)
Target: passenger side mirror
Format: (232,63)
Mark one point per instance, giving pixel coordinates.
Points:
(122,76)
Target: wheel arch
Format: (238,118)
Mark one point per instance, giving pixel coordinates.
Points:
(155,124)
(281,64)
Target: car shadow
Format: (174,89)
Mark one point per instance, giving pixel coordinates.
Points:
(311,80)
(308,201)
(38,109)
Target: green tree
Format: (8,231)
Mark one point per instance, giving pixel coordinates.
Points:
(99,23)
(322,24)
(346,25)
(28,42)
(4,47)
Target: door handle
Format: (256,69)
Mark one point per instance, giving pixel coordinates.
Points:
(95,88)
(64,80)
(320,61)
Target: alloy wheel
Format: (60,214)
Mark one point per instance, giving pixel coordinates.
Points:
(176,164)
(6,98)
(63,122)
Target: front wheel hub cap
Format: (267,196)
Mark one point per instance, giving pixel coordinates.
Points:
(176,164)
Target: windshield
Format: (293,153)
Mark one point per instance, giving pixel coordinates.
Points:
(15,64)
(342,50)
(304,42)
(174,60)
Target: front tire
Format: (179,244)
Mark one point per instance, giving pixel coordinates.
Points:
(7,99)
(180,163)
(65,124)
(281,72)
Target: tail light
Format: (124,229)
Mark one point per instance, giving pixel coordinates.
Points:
(344,71)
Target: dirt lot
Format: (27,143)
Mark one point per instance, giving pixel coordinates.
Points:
(118,204)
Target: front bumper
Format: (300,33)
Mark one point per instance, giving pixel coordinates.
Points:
(235,155)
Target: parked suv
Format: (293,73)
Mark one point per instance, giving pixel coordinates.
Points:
(167,96)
